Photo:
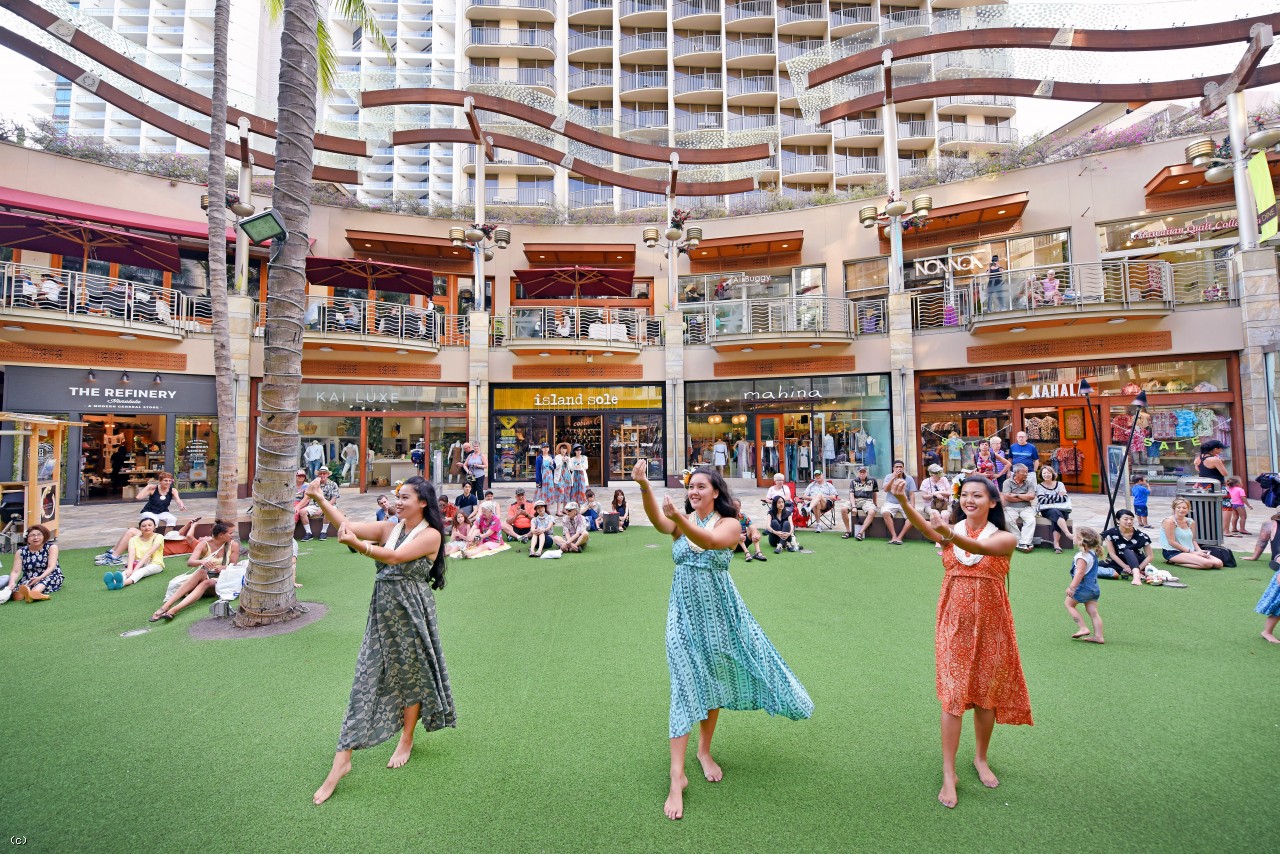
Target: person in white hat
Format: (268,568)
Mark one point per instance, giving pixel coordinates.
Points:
(575,530)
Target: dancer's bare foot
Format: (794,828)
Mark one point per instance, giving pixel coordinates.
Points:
(401,756)
(947,794)
(1270,637)
(1083,633)
(985,774)
(1093,640)
(674,807)
(710,769)
(341,766)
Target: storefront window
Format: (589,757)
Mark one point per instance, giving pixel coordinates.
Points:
(195,456)
(1174,377)
(1167,438)
(962,264)
(727,286)
(444,433)
(866,278)
(333,434)
(1168,232)
(120,453)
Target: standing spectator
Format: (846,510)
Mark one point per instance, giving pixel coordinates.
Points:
(935,484)
(331,494)
(1128,549)
(577,466)
(313,456)
(35,572)
(1022,452)
(1019,496)
(1208,464)
(1268,538)
(519,518)
(932,457)
(955,452)
(997,297)
(159,495)
(862,499)
(418,456)
(476,466)
(1239,503)
(892,506)
(1141,495)
(351,463)
(447,513)
(1269,607)
(539,471)
(574,528)
(821,496)
(455,461)
(467,502)
(1054,504)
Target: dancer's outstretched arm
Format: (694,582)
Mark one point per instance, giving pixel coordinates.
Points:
(939,531)
(377,531)
(640,474)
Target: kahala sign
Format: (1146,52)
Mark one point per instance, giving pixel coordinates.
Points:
(63,390)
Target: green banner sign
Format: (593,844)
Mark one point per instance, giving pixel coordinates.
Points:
(1264,194)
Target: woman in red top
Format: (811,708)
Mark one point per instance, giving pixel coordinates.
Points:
(975,646)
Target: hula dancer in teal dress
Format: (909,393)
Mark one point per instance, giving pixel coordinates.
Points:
(1269,606)
(718,654)
(400,674)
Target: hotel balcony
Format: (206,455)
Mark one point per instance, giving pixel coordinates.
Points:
(905,25)
(755,16)
(593,46)
(847,20)
(694,122)
(753,90)
(807,19)
(515,197)
(864,133)
(333,323)
(806,167)
(591,197)
(799,132)
(986,105)
(753,52)
(518,44)
(916,136)
(593,84)
(643,86)
(970,63)
(599,331)
(75,304)
(790,50)
(750,123)
(858,170)
(649,125)
(532,11)
(599,12)
(643,49)
(705,88)
(958,137)
(479,77)
(696,14)
(633,200)
(704,50)
(729,325)
(642,13)
(507,162)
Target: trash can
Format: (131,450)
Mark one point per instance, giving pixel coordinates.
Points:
(1205,498)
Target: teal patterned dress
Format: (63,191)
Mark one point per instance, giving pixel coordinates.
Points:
(718,654)
(400,662)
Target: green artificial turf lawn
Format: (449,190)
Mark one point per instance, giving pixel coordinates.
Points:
(1164,739)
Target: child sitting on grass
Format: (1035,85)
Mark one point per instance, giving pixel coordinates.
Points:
(541,530)
(1083,589)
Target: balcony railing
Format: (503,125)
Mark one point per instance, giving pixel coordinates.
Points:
(586,41)
(916,129)
(978,133)
(909,18)
(479,75)
(577,326)
(630,164)
(688,122)
(795,163)
(790,50)
(644,119)
(642,41)
(844,16)
(591,197)
(689,8)
(376,320)
(972,60)
(525,197)
(708,82)
(756,46)
(865,165)
(707,322)
(975,100)
(591,77)
(698,44)
(748,9)
(908,167)
(741,123)
(795,127)
(635,200)
(576,6)
(501,156)
(857,127)
(600,117)
(753,84)
(492,36)
(643,80)
(545,5)
(44,292)
(800,12)
(637,7)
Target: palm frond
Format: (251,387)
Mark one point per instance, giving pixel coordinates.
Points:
(359,11)
(326,57)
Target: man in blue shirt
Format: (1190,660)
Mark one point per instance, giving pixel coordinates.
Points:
(1022,452)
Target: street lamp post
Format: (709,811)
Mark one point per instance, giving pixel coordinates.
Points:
(1230,162)
(1140,406)
(480,240)
(680,241)
(1086,389)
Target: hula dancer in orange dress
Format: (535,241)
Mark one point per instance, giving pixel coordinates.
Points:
(975,644)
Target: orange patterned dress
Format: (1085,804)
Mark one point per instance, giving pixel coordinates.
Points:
(975,644)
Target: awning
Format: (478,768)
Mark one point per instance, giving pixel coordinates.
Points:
(1184,176)
(749,245)
(559,282)
(358,274)
(23,200)
(78,239)
(417,246)
(582,254)
(969,214)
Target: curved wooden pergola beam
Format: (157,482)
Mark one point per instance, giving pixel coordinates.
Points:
(146,113)
(582,167)
(1047,38)
(1107,93)
(163,86)
(556,124)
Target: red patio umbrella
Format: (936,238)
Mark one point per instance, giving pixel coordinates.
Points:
(370,275)
(67,237)
(576,282)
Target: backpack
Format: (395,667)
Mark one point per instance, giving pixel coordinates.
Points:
(1270,483)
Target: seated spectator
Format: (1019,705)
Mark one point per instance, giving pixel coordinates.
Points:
(447,513)
(1177,538)
(862,499)
(1267,538)
(543,522)
(384,511)
(1019,496)
(1128,550)
(1054,504)
(486,533)
(467,504)
(591,511)
(619,507)
(782,534)
(145,558)
(821,496)
(181,542)
(519,518)
(309,508)
(750,536)
(892,508)
(35,572)
(27,291)
(574,529)
(936,483)
(160,495)
(50,293)
(779,488)
(211,556)
(460,537)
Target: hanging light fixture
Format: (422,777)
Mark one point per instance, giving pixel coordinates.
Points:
(124,378)
(92,378)
(157,379)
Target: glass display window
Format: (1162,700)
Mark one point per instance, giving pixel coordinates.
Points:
(635,437)
(954,435)
(1178,376)
(517,443)
(1166,439)
(1169,230)
(195,453)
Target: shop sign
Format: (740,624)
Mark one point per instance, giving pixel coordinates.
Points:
(1036,392)
(949,264)
(1191,228)
(735,281)
(29,389)
(798,393)
(578,399)
(376,398)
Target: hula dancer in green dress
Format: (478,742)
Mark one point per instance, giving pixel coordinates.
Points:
(400,674)
(718,655)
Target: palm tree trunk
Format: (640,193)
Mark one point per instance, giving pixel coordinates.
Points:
(268,595)
(224,370)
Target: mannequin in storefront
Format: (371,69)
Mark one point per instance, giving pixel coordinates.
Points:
(745,452)
(720,456)
(455,462)
(828,448)
(350,462)
(804,461)
(313,456)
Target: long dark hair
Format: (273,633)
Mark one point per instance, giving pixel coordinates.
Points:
(778,507)
(431,512)
(724,501)
(618,493)
(996,514)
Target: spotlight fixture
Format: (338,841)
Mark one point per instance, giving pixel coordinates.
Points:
(92,377)
(124,378)
(157,379)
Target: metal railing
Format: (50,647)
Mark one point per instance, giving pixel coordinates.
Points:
(706,322)
(644,119)
(501,156)
(709,81)
(545,5)
(909,18)
(993,66)
(591,77)
(755,46)
(790,50)
(943,310)
(524,197)
(952,20)
(576,6)
(600,117)
(630,164)
(634,80)
(689,8)
(479,76)
(494,37)
(792,126)
(915,129)
(583,325)
(977,133)
(914,167)
(709,43)
(975,101)
(376,320)
(637,7)
(794,163)
(1197,282)
(753,84)
(847,15)
(588,40)
(46,291)
(748,9)
(857,127)
(699,121)
(642,41)
(636,200)
(800,12)
(859,165)
(754,122)
(591,197)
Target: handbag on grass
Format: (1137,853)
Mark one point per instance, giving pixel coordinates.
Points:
(1223,554)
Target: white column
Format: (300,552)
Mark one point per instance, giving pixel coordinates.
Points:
(1246,207)
(480,192)
(890,121)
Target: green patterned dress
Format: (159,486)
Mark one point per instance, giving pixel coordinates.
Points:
(400,662)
